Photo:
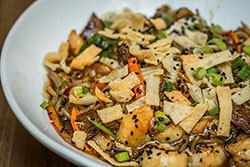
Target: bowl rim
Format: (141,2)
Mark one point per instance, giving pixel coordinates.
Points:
(52,145)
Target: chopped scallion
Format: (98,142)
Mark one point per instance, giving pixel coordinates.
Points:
(247,107)
(215,29)
(244,73)
(168,18)
(215,79)
(197,26)
(246,49)
(159,126)
(169,86)
(206,49)
(79,90)
(44,105)
(107,24)
(160,116)
(122,156)
(161,35)
(211,70)
(221,45)
(102,127)
(214,111)
(200,72)
(238,62)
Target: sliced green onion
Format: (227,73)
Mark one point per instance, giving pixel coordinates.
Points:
(215,79)
(211,70)
(122,156)
(247,107)
(206,49)
(221,45)
(160,116)
(169,86)
(214,111)
(44,105)
(102,127)
(159,126)
(216,29)
(200,72)
(161,35)
(107,24)
(244,73)
(246,49)
(79,90)
(197,26)
(238,62)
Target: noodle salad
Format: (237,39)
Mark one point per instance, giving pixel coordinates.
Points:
(169,90)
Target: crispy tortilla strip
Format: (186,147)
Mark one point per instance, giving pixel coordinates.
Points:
(86,99)
(115,74)
(111,113)
(160,43)
(226,68)
(152,90)
(177,97)
(107,157)
(168,63)
(152,70)
(242,95)
(177,112)
(172,77)
(79,138)
(158,23)
(109,33)
(209,97)
(225,103)
(138,103)
(101,96)
(113,64)
(88,57)
(188,123)
(195,93)
(197,37)
(75,41)
(185,42)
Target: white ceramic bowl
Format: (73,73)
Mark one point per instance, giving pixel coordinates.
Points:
(45,24)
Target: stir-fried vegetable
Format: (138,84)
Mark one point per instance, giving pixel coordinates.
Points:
(200,72)
(122,156)
(44,105)
(221,45)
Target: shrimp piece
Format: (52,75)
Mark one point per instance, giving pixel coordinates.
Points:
(160,158)
(134,126)
(208,157)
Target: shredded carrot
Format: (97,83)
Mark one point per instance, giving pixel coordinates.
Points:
(140,89)
(101,86)
(73,118)
(235,38)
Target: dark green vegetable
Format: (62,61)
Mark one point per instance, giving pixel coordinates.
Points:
(246,49)
(244,73)
(168,18)
(221,45)
(107,24)
(44,105)
(212,70)
(214,111)
(169,86)
(238,62)
(200,72)
(102,127)
(197,26)
(122,156)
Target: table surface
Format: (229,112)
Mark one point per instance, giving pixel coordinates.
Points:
(17,147)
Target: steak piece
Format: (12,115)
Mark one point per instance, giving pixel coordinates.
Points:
(241,118)
(94,24)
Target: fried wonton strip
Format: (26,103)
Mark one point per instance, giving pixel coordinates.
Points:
(101,96)
(86,99)
(197,37)
(185,42)
(115,74)
(242,95)
(111,113)
(158,23)
(113,64)
(168,62)
(152,70)
(195,93)
(138,103)
(75,41)
(86,58)
(79,138)
(174,74)
(152,90)
(225,104)
(107,157)
(209,97)
(109,33)
(177,97)
(226,68)
(188,123)
(177,112)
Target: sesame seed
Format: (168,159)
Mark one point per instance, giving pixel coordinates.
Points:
(131,133)
(158,154)
(136,126)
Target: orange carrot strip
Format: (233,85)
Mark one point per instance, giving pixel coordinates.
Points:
(101,86)
(73,118)
(236,41)
(140,89)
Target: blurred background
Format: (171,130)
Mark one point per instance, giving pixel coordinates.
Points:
(17,147)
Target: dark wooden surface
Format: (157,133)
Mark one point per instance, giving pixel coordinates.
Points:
(17,147)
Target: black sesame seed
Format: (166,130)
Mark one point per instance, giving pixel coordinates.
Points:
(134,116)
(136,126)
(192,68)
(167,138)
(138,90)
(131,133)
(158,154)
(126,142)
(217,151)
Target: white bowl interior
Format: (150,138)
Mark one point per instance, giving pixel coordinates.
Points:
(41,29)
